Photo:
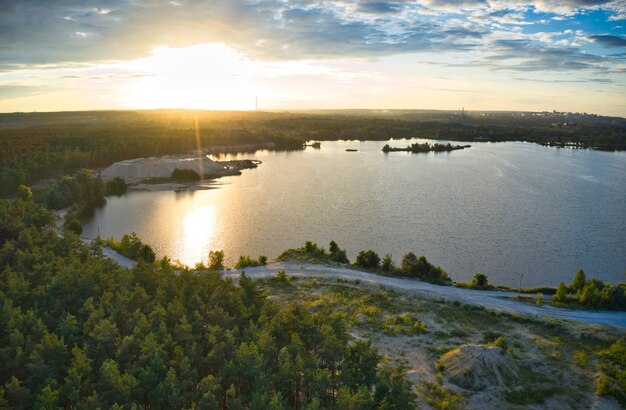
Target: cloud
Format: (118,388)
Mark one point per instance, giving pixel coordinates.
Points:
(35,32)
(380,7)
(567,7)
(592,80)
(454,5)
(10,91)
(609,41)
(522,55)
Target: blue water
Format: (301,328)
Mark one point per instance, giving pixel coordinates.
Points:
(499,208)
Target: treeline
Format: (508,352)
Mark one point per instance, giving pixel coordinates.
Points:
(40,145)
(37,151)
(591,293)
(411,266)
(77,331)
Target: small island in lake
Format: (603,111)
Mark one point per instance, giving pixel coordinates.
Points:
(426,147)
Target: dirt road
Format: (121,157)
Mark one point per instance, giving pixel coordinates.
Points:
(492,299)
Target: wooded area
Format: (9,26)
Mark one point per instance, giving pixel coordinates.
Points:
(77,331)
(41,145)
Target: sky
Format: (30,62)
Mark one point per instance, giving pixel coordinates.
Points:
(564,55)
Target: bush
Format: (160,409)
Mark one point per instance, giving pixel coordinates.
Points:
(591,293)
(185,174)
(367,259)
(612,382)
(131,247)
(117,186)
(246,261)
(387,264)
(420,268)
(337,254)
(282,279)
(561,293)
(405,324)
(73,225)
(480,281)
(440,398)
(24,192)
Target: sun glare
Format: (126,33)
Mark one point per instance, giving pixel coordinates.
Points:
(208,76)
(198,232)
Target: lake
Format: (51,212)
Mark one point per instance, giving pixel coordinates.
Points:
(499,208)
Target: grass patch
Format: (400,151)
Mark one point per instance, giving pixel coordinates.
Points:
(439,397)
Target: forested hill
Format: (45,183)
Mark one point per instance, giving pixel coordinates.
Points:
(77,331)
(39,145)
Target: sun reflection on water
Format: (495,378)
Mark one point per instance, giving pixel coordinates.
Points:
(198,234)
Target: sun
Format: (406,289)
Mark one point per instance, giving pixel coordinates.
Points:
(207,76)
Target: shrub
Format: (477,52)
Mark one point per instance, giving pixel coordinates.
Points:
(73,225)
(117,186)
(561,293)
(480,281)
(387,264)
(282,279)
(367,259)
(420,268)
(24,192)
(337,254)
(246,261)
(440,398)
(131,247)
(185,174)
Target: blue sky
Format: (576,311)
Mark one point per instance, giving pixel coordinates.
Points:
(567,55)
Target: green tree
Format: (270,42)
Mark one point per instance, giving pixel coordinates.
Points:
(387,264)
(48,398)
(480,281)
(74,225)
(359,367)
(579,281)
(393,390)
(561,293)
(408,264)
(337,254)
(367,259)
(117,186)
(216,260)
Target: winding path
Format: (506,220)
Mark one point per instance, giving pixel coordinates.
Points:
(492,299)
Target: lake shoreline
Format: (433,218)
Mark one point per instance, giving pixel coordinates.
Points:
(487,209)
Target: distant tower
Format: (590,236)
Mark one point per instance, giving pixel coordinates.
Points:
(462,112)
(256,103)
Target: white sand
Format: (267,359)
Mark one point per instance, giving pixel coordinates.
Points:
(134,170)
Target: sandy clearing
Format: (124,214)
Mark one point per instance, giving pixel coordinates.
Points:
(492,299)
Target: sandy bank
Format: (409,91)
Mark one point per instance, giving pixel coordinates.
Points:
(134,170)
(138,169)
